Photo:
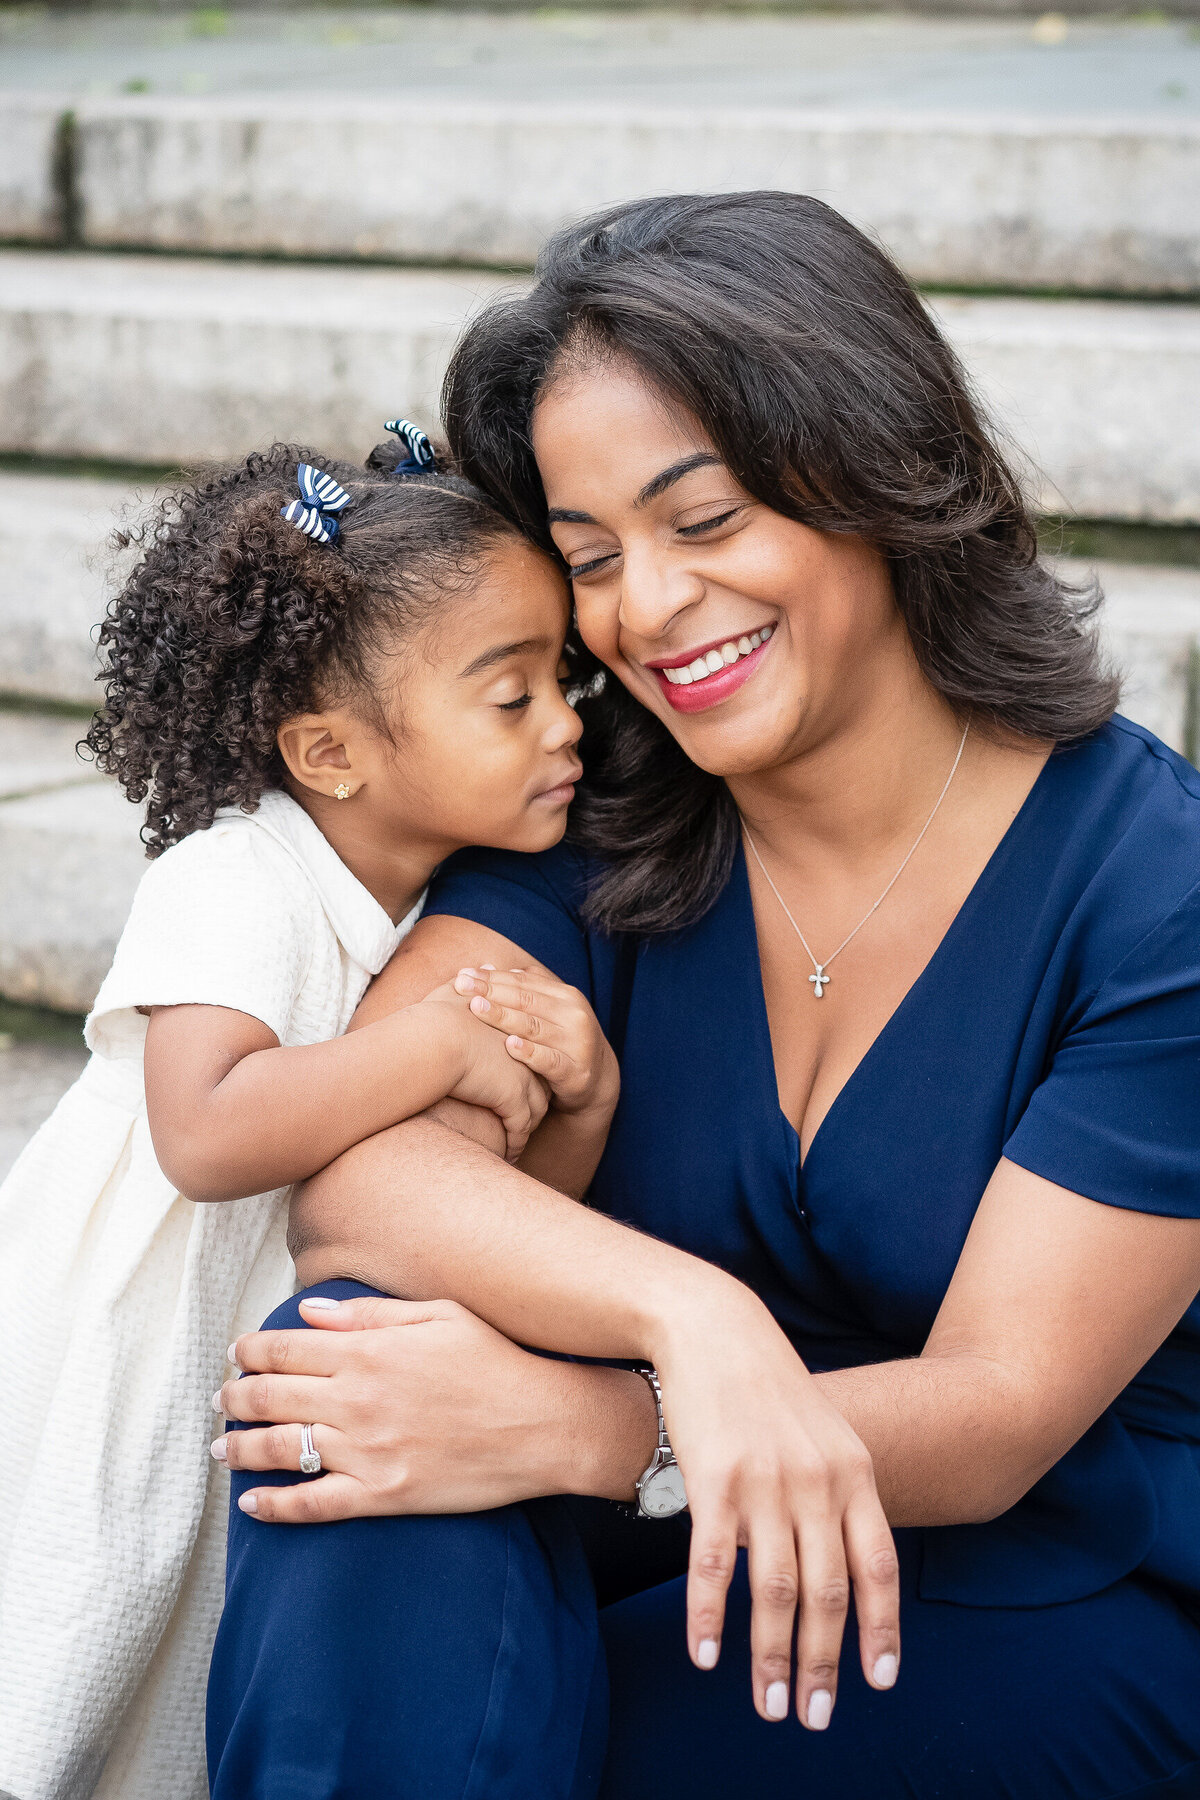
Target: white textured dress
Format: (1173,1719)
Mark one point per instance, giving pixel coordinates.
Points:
(120,1299)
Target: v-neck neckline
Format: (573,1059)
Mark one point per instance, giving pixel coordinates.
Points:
(969,905)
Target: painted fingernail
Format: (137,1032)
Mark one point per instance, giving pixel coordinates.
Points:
(480,1005)
(217,1451)
(464,982)
(886,1670)
(217,1407)
(707,1651)
(775,1700)
(231,1356)
(320,1303)
(248,1503)
(820,1709)
(490,966)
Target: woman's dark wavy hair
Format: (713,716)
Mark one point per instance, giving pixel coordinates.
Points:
(833,398)
(233,621)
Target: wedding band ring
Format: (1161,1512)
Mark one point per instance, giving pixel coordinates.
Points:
(310,1456)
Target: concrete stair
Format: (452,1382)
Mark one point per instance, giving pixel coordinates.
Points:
(1011,199)
(65,832)
(173,359)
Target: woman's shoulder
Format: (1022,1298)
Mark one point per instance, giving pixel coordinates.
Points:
(559,877)
(1131,802)
(1114,845)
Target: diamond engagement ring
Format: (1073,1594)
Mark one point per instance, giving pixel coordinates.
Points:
(310,1456)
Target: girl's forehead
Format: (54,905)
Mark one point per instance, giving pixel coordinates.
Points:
(517,596)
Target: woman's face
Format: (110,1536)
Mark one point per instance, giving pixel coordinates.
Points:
(752,637)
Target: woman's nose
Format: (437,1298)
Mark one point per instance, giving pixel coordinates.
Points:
(654,590)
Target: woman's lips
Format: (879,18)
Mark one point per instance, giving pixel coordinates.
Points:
(711,689)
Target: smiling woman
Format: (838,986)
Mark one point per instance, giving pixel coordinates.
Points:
(917,1266)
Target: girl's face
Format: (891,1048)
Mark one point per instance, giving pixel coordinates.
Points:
(484,748)
(480,746)
(753,638)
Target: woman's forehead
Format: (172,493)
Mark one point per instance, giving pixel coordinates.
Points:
(608,429)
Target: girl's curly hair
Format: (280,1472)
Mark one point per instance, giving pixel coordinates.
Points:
(233,621)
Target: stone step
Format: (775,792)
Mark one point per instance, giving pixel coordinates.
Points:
(54,568)
(1008,200)
(70,855)
(69,862)
(56,571)
(164,359)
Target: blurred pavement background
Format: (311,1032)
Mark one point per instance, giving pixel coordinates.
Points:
(221,226)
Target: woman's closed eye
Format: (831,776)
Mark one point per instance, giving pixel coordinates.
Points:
(577,571)
(697,526)
(521,701)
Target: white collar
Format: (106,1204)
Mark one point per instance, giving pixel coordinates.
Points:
(363,929)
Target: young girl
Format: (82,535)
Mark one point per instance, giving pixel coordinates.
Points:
(322,682)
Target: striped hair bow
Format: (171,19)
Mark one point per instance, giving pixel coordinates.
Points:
(420,457)
(315,513)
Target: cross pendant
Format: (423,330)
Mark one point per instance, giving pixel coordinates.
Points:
(819,981)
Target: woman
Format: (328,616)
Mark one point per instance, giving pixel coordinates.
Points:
(914,1210)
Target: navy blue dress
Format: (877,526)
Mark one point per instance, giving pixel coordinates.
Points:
(1052,1652)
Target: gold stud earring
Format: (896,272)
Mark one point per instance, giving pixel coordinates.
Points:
(341,791)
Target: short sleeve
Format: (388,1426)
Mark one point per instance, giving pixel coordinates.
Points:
(220,919)
(533,900)
(1117,1116)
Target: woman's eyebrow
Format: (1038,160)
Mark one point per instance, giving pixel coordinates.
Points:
(501,652)
(700,459)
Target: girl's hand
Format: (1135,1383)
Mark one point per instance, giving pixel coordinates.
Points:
(423,1408)
(551,1029)
(483,1073)
(771,1466)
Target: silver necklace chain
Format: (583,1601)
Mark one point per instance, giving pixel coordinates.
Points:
(819,979)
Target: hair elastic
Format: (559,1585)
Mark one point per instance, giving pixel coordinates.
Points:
(420,459)
(316,511)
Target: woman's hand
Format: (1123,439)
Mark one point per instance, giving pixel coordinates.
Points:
(549,1028)
(423,1408)
(770,1465)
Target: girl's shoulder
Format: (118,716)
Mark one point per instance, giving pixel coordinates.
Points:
(225,918)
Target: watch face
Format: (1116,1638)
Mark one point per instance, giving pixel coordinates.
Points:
(663,1493)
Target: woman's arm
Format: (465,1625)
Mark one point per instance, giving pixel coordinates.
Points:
(1056,1303)
(231,1112)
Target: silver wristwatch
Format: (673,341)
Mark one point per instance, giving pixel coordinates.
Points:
(660,1490)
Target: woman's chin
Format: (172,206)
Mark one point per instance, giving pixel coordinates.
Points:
(735,745)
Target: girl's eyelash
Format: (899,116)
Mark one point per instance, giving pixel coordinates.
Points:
(515,705)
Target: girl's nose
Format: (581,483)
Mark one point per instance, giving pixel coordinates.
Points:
(566,727)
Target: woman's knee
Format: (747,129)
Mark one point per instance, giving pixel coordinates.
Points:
(288,1316)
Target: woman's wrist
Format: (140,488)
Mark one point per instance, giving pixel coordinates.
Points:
(605,1432)
(695,1304)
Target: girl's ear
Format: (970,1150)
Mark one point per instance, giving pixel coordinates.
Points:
(318,752)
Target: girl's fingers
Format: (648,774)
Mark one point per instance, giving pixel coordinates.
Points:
(711,1562)
(306,1502)
(276,1447)
(773,1593)
(824,1600)
(875,1572)
(266,1399)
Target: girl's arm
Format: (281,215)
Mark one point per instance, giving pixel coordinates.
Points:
(231,1112)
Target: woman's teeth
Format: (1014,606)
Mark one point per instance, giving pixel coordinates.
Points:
(715,660)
